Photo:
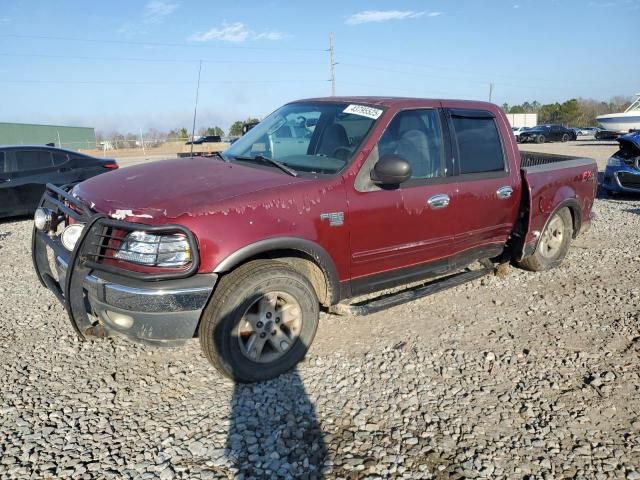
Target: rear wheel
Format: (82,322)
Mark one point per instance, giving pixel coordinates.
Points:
(553,244)
(540,139)
(260,322)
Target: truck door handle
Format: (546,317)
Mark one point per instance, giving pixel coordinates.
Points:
(4,180)
(440,200)
(504,192)
(64,169)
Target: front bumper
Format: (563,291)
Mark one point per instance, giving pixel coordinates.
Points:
(162,312)
(624,179)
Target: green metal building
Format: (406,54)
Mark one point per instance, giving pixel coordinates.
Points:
(72,138)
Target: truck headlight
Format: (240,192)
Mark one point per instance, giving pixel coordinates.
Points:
(163,250)
(614,162)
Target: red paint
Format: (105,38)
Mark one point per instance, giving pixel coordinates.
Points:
(229,205)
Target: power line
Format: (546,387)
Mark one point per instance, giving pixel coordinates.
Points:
(431,67)
(427,76)
(157,44)
(155,82)
(156,60)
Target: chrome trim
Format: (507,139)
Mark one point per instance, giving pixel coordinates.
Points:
(441,200)
(504,192)
(148,300)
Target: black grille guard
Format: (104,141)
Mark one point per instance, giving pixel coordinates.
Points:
(88,251)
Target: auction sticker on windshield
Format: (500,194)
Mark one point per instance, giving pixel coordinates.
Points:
(363,111)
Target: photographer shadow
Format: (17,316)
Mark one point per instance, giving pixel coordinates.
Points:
(274,431)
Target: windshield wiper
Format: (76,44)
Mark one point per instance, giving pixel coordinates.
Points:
(263,159)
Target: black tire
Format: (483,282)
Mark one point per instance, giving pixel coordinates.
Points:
(565,138)
(540,139)
(237,292)
(539,261)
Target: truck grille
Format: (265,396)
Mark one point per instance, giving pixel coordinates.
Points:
(106,235)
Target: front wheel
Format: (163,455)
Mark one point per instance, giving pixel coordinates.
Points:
(260,321)
(540,139)
(553,243)
(565,138)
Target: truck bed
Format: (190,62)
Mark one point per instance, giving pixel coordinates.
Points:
(534,159)
(554,181)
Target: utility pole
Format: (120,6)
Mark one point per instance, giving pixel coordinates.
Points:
(333,66)
(490,91)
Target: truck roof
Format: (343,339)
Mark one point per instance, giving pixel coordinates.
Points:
(403,102)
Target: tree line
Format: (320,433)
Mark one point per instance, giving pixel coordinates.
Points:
(575,112)
(154,136)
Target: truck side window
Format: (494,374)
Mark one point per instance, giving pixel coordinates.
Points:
(479,146)
(416,136)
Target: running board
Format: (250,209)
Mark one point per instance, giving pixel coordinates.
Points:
(377,304)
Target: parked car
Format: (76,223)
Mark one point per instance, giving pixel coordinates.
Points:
(205,139)
(548,133)
(243,249)
(622,174)
(517,131)
(581,131)
(25,170)
(602,134)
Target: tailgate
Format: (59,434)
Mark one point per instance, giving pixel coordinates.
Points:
(553,182)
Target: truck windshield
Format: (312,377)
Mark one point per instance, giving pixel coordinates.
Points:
(316,137)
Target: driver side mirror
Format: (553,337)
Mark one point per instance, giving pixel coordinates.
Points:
(391,170)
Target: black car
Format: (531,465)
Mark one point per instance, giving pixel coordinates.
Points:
(547,133)
(205,139)
(602,134)
(25,170)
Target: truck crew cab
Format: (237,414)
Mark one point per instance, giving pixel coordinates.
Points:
(243,249)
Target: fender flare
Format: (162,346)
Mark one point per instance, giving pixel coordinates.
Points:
(576,215)
(307,247)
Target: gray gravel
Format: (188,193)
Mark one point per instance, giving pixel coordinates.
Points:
(532,376)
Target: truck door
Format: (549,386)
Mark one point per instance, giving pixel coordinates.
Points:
(488,184)
(400,233)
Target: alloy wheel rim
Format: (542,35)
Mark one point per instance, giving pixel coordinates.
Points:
(551,241)
(270,327)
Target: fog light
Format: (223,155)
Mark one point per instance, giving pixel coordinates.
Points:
(42,218)
(71,234)
(120,319)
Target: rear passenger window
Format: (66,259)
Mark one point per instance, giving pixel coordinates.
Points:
(33,159)
(479,146)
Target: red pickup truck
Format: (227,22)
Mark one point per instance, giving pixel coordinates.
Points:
(325,200)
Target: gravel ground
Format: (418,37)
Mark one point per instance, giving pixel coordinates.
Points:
(528,376)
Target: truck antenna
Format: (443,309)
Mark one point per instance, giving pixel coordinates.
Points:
(195,109)
(333,65)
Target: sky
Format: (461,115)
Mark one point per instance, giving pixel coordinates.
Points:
(131,65)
